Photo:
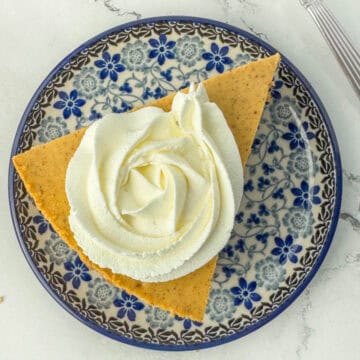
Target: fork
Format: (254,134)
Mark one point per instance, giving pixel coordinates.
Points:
(339,42)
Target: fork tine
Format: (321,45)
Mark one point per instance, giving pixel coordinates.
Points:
(352,70)
(340,35)
(332,20)
(346,54)
(339,52)
(336,42)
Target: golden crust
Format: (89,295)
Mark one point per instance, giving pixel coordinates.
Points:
(240,93)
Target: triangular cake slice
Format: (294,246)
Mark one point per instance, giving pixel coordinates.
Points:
(240,93)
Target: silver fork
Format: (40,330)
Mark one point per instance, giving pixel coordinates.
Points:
(339,42)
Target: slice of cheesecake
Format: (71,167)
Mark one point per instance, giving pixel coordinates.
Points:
(241,95)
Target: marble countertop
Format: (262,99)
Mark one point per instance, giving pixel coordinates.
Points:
(324,322)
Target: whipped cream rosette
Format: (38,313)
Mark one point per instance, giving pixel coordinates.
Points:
(153,194)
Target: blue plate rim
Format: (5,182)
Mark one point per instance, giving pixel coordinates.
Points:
(332,227)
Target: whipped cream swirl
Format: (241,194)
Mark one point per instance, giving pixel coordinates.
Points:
(153,194)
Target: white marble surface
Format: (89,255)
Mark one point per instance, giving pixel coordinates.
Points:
(324,322)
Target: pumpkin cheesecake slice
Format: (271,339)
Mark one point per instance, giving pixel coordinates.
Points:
(241,95)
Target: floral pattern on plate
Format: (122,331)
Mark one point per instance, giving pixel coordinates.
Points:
(282,228)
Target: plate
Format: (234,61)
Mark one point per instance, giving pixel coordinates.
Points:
(292,189)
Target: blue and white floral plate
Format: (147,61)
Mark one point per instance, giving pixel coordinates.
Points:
(292,189)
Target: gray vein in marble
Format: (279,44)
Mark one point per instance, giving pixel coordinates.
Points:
(251,28)
(225,6)
(117,10)
(352,217)
(307,331)
(350,259)
(353,178)
(355,223)
(325,274)
(249,5)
